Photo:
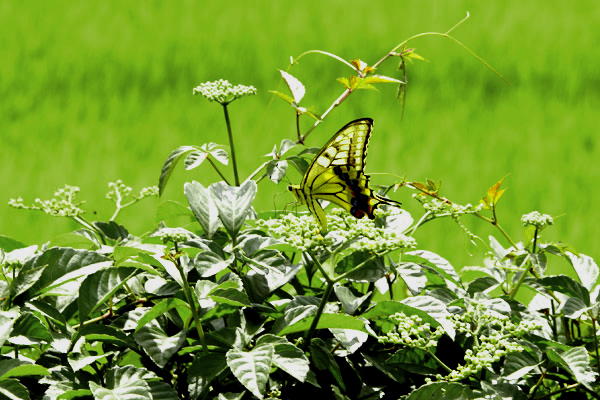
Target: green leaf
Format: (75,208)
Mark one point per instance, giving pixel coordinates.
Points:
(323,360)
(573,308)
(9,244)
(63,265)
(15,368)
(296,87)
(439,264)
(204,369)
(276,170)
(373,270)
(107,334)
(482,284)
(287,98)
(443,391)
(349,301)
(162,391)
(252,368)
(413,276)
(7,320)
(519,364)
(287,356)
(157,344)
(327,321)
(170,164)
(586,269)
(123,383)
(112,230)
(234,204)
(72,394)
(13,389)
(162,308)
(350,339)
(213,260)
(577,361)
(194,159)
(100,287)
(79,361)
(26,279)
(29,326)
(203,206)
(566,285)
(230,296)
(435,309)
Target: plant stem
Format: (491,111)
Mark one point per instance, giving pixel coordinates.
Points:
(192,302)
(217,169)
(315,321)
(233,159)
(440,362)
(514,291)
(336,103)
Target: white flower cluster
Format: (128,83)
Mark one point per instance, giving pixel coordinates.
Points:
(537,219)
(303,233)
(62,205)
(222,91)
(174,235)
(412,332)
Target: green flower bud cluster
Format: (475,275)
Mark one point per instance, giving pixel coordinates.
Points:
(411,331)
(537,219)
(61,205)
(222,91)
(173,235)
(119,191)
(440,207)
(303,233)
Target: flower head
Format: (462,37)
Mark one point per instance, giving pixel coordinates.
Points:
(222,91)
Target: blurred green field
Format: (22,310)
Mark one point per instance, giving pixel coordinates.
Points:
(94,92)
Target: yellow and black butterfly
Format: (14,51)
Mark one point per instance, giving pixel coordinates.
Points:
(336,174)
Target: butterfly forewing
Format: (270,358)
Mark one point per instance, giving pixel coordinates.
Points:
(337,174)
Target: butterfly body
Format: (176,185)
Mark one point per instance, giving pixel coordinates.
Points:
(336,174)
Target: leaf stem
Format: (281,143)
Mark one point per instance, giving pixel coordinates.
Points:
(230,134)
(315,321)
(217,168)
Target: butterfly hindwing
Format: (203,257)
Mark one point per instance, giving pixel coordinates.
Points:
(336,174)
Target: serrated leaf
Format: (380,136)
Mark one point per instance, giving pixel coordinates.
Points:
(577,361)
(438,263)
(203,370)
(107,334)
(350,339)
(100,287)
(157,344)
(79,361)
(252,368)
(169,166)
(203,206)
(344,81)
(296,87)
(483,284)
(213,261)
(162,391)
(194,159)
(234,204)
(413,276)
(519,364)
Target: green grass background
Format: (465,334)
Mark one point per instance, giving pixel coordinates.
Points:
(94,92)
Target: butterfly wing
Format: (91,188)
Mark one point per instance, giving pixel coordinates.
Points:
(336,174)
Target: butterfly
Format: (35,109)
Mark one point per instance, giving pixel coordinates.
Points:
(336,174)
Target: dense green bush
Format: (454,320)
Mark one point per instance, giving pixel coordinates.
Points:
(222,302)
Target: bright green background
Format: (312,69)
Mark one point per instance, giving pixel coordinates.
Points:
(94,92)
